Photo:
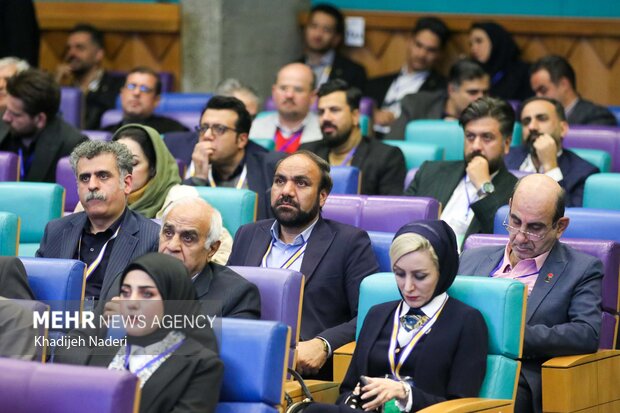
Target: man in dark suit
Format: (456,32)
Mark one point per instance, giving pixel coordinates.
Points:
(544,127)
(225,157)
(424,47)
(553,77)
(563,314)
(471,191)
(468,82)
(333,257)
(323,35)
(382,166)
(191,231)
(32,128)
(107,235)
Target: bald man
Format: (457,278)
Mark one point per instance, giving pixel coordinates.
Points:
(294,123)
(564,286)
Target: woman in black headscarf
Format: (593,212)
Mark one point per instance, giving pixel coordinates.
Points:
(493,47)
(164,345)
(431,347)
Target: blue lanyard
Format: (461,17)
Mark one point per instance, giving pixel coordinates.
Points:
(153,361)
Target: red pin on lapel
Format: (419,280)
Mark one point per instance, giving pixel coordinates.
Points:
(549,277)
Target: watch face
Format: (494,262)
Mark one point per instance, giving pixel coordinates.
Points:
(488,187)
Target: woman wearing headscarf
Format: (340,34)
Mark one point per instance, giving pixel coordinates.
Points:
(425,348)
(177,371)
(493,47)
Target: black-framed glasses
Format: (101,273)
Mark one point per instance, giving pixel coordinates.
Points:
(216,129)
(531,235)
(141,88)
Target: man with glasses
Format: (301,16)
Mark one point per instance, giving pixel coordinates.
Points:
(139,97)
(225,157)
(563,314)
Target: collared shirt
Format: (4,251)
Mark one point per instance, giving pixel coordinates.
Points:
(266,126)
(282,252)
(526,270)
(89,247)
(323,69)
(528,166)
(228,183)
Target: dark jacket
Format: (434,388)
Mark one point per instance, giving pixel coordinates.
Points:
(346,69)
(589,113)
(102,99)
(378,87)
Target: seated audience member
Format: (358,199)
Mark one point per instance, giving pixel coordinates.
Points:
(82,67)
(294,123)
(382,166)
(544,127)
(190,231)
(323,36)
(468,82)
(139,97)
(107,235)
(9,67)
(564,285)
(495,49)
(334,257)
(443,341)
(31,127)
(224,156)
(17,332)
(553,77)
(472,190)
(424,49)
(176,368)
(246,94)
(14,280)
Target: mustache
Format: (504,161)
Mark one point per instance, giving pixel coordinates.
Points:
(327,124)
(95,195)
(285,199)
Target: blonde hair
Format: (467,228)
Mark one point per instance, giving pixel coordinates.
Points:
(411,242)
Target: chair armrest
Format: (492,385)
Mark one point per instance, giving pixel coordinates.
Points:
(592,374)
(342,359)
(471,404)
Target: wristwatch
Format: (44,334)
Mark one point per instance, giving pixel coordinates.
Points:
(486,189)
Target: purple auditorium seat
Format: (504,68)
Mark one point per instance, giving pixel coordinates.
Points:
(389,213)
(182,102)
(182,168)
(344,208)
(409,177)
(71,105)
(98,135)
(606,138)
(9,166)
(609,254)
(187,119)
(66,178)
(29,387)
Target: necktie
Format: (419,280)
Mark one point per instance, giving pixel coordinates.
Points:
(415,318)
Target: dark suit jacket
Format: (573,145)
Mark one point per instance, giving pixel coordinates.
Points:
(19,30)
(382,166)
(563,315)
(337,258)
(421,105)
(102,99)
(589,113)
(378,87)
(138,235)
(346,69)
(225,293)
(439,179)
(14,280)
(189,381)
(160,123)
(56,140)
(574,169)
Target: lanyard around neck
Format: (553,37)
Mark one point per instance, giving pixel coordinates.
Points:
(294,257)
(93,265)
(240,182)
(149,363)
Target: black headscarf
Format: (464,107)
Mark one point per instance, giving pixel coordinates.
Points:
(443,240)
(504,50)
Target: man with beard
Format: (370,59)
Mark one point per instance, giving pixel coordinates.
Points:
(31,127)
(544,127)
(333,257)
(83,67)
(322,37)
(294,123)
(471,191)
(382,166)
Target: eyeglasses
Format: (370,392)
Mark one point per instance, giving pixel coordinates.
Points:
(141,88)
(531,235)
(216,129)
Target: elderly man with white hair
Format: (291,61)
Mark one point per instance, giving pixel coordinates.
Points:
(9,66)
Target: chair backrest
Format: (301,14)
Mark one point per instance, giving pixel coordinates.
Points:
(37,307)
(255,355)
(616,111)
(9,166)
(29,387)
(502,304)
(601,191)
(381,242)
(400,211)
(237,206)
(181,145)
(281,298)
(416,153)
(266,143)
(183,102)
(98,135)
(446,134)
(66,177)
(347,179)
(597,157)
(71,105)
(606,138)
(517,134)
(188,119)
(9,234)
(344,208)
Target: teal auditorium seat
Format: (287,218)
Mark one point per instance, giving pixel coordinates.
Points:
(266,143)
(599,158)
(502,304)
(602,191)
(36,203)
(9,234)
(237,206)
(417,153)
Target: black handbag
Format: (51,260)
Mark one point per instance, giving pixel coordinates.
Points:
(298,407)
